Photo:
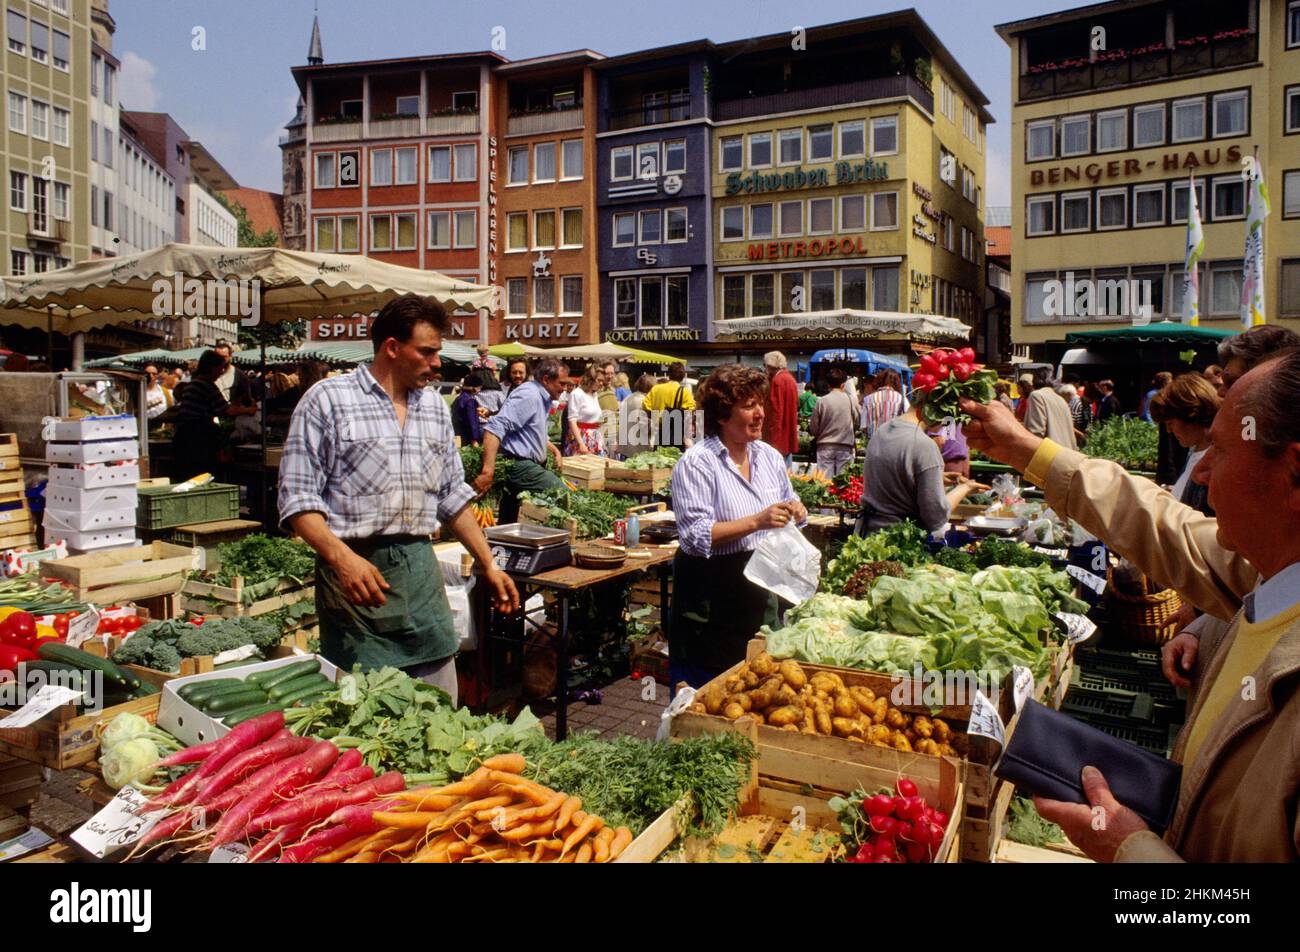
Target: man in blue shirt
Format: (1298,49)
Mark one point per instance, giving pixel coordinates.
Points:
(518,431)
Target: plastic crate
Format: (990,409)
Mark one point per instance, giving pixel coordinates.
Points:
(161,508)
(1124,664)
(1158,740)
(1118,707)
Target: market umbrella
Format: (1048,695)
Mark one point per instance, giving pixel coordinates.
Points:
(650,357)
(1162,332)
(507,351)
(580,352)
(141,357)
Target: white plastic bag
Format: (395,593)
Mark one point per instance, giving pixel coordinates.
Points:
(786,563)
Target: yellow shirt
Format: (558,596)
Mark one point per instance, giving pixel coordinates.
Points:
(1249,649)
(662,396)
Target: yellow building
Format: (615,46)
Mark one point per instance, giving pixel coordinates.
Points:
(1116,107)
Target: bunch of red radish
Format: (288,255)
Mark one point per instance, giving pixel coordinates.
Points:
(942,364)
(850,494)
(904,828)
(291,798)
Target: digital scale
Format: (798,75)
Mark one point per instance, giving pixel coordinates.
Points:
(525,549)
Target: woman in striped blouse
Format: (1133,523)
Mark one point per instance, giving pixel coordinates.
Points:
(727,491)
(884,403)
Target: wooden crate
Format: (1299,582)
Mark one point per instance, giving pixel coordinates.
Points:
(9,446)
(16,514)
(585,472)
(26,540)
(1009,852)
(536,515)
(641,482)
(120,575)
(20,784)
(210,534)
(10,464)
(11,483)
(205,598)
(54,853)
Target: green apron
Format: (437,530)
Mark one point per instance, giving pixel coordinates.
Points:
(715,611)
(414,626)
(526,475)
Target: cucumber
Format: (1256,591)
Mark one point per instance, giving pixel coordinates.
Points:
(194,686)
(229,703)
(87,662)
(146,689)
(291,671)
(248,713)
(202,697)
(52,668)
(308,700)
(297,684)
(241,663)
(310,690)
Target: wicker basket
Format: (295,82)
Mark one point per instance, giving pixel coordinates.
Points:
(1150,618)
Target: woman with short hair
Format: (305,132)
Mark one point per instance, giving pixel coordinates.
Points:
(1187,407)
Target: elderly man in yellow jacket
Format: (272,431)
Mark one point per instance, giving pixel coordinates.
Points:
(1239,748)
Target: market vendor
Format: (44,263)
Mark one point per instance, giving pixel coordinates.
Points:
(199,440)
(1240,761)
(518,433)
(727,490)
(369,474)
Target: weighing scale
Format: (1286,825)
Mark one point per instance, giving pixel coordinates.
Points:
(524,549)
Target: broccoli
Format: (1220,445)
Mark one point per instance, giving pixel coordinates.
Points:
(211,639)
(145,651)
(256,631)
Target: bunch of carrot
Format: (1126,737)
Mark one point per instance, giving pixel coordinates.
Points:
(491,815)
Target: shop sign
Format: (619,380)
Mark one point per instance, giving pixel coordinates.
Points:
(816,248)
(1096,172)
(920,282)
(920,229)
(846,173)
(538,330)
(357,327)
(652,335)
(492,210)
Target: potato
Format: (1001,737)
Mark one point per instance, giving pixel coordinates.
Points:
(864,696)
(823,718)
(791,727)
(855,739)
(879,734)
(784,716)
(844,726)
(923,726)
(912,737)
(809,720)
(741,699)
(733,684)
(879,707)
(895,718)
(793,674)
(752,680)
(713,699)
(733,711)
(844,704)
(762,665)
(927,746)
(899,742)
(941,730)
(761,698)
(826,682)
(786,695)
(698,708)
(757,716)
(946,750)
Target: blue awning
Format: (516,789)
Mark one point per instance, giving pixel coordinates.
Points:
(853,355)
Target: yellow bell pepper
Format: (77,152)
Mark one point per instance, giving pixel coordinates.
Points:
(6,611)
(45,631)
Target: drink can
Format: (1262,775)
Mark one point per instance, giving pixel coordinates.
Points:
(620,532)
(633,531)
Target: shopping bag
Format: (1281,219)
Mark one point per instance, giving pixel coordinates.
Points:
(786,563)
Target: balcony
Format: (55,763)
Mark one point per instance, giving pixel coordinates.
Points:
(827,97)
(674,109)
(42,227)
(552,120)
(394,127)
(1188,58)
(455,124)
(336,130)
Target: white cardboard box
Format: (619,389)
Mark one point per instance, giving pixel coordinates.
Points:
(79,543)
(96,475)
(123,427)
(59,521)
(102,452)
(83,500)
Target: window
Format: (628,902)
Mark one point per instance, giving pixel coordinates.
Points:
(40,42)
(821,290)
(1189,120)
(677,300)
(543,230)
(853,212)
(571,156)
(620,163)
(884,136)
(1040,140)
(675,225)
(517,231)
(325,170)
(949,242)
(466,156)
(649,227)
(1230,117)
(733,296)
(884,211)
(1076,212)
(624,229)
(408,106)
(760,150)
(1112,131)
(1229,198)
(18,191)
(884,289)
(625,302)
(821,216)
(762,294)
(94,74)
(108,213)
(59,130)
(647,160)
(467,228)
(1075,135)
(94,141)
(544,162)
(571,228)
(517,166)
(821,144)
(1291,195)
(1148,205)
(571,294)
(1225,287)
(791,219)
(349,234)
(439,230)
(1042,216)
(406,162)
(324,231)
(1293,24)
(853,289)
(465,101)
(516,297)
(440,163)
(17,113)
(1148,125)
(1112,209)
(733,223)
(17,32)
(853,139)
(404,239)
(652,302)
(381,167)
(61,201)
(1292,121)
(760,221)
(730,154)
(790,146)
(108,83)
(544,295)
(674,156)
(381,233)
(18,262)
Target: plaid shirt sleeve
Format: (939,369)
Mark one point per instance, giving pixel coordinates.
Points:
(308,450)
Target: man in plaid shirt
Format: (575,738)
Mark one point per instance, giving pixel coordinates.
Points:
(370,471)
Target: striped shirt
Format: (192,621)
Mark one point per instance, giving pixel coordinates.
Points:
(346,459)
(881,406)
(708,488)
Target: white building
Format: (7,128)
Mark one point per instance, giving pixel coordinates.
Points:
(104,152)
(146,197)
(211,222)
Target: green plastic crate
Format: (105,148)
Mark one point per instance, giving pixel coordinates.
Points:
(160,508)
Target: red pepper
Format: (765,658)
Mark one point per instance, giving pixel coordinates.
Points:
(19,630)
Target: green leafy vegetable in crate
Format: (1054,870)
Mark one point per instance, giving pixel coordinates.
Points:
(656,459)
(1132,443)
(903,542)
(594,511)
(261,559)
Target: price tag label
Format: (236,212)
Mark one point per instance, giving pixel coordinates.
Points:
(33,839)
(198,559)
(1094,582)
(234,654)
(118,825)
(48,698)
(1023,686)
(1078,628)
(230,853)
(984,719)
(82,628)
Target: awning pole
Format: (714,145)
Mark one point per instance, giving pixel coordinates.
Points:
(49,335)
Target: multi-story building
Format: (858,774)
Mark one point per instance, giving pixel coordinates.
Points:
(1117,109)
(543,203)
(104,150)
(293,160)
(265,210)
(146,196)
(993,334)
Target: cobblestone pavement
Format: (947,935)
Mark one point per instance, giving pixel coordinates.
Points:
(622,710)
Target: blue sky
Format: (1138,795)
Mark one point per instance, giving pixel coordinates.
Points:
(236,95)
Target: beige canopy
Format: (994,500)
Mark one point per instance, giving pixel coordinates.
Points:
(580,352)
(252,285)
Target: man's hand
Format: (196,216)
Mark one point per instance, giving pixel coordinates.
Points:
(995,431)
(1178,659)
(1098,828)
(483,482)
(555,452)
(361,582)
(507,597)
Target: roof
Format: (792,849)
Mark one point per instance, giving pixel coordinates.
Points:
(206,166)
(571,58)
(300,73)
(1014,27)
(998,241)
(265,209)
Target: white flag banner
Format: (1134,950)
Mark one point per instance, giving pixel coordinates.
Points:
(1252,278)
(1195,248)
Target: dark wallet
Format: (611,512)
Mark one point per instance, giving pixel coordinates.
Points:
(1048,751)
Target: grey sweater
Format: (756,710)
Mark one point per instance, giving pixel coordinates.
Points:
(903,478)
(834,420)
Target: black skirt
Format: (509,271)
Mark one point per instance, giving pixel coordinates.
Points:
(715,611)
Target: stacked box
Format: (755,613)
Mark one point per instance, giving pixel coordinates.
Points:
(91,498)
(17,531)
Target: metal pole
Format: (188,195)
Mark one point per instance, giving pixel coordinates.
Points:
(49,335)
(262,479)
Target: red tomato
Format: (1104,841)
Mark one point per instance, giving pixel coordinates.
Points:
(132,623)
(19,629)
(13,655)
(197,620)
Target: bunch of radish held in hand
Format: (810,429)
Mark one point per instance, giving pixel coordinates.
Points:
(262,785)
(945,377)
(885,827)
